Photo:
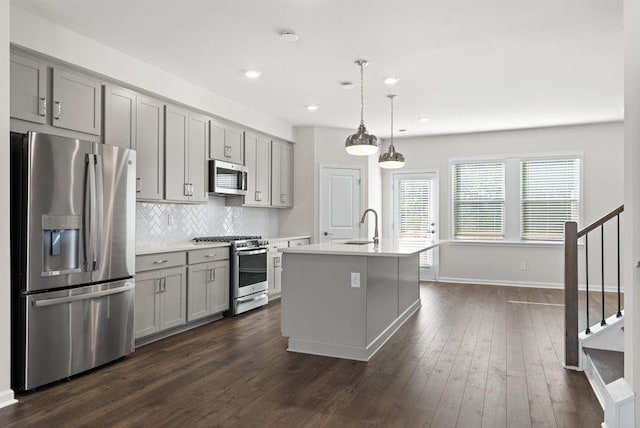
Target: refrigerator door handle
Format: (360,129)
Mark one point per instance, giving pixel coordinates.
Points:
(100,211)
(90,213)
(59,300)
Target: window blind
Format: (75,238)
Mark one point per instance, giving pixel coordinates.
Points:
(479,200)
(550,196)
(414,216)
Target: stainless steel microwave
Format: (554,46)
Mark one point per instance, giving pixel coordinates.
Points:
(227,178)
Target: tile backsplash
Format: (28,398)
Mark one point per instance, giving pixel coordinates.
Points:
(176,223)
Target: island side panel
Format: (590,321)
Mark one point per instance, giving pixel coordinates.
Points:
(382,294)
(318,303)
(408,282)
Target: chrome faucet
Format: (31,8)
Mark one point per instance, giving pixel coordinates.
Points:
(375,233)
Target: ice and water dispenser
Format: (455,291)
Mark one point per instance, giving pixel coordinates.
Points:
(61,244)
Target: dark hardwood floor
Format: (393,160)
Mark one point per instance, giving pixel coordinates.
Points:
(469,358)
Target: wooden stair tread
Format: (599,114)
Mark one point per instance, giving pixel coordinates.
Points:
(609,364)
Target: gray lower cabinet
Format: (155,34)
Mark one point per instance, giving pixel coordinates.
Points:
(226,143)
(257,152)
(281,174)
(77,99)
(208,289)
(187,135)
(160,300)
(28,98)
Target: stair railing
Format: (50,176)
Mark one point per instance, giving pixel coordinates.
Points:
(571,237)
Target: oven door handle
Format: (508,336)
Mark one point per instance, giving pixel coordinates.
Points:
(252,253)
(252,299)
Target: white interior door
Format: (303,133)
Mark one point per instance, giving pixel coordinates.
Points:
(415,208)
(339,203)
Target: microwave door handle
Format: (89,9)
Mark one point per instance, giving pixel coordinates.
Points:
(100,211)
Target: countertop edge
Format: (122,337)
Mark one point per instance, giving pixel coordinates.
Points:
(144,250)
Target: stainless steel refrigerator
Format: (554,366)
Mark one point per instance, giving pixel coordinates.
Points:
(72,256)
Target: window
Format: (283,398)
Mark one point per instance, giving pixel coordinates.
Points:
(413,212)
(479,200)
(550,196)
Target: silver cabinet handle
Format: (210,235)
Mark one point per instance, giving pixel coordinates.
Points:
(159,286)
(191,189)
(159,262)
(56,301)
(58,109)
(276,262)
(211,255)
(212,275)
(230,151)
(43,106)
(186,189)
(138,185)
(283,199)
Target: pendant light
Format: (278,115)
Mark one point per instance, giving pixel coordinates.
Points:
(361,143)
(391,159)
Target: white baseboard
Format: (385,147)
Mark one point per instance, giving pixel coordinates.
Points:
(7,398)
(526,284)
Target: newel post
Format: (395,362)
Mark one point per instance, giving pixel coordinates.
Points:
(571,294)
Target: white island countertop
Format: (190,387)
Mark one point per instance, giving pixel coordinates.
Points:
(385,248)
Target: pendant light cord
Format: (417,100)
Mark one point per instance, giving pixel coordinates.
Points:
(362,94)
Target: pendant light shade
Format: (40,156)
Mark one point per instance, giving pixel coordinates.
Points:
(391,159)
(361,143)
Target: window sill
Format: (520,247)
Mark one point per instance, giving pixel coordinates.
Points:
(492,243)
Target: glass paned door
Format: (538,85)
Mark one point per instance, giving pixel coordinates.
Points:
(415,210)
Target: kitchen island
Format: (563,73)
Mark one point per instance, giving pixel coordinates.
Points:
(346,300)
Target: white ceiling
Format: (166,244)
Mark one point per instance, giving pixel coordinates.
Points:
(468,65)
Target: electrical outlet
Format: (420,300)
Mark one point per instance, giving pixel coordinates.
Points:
(170,220)
(523,265)
(355,279)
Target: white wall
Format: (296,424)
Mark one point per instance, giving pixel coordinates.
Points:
(316,146)
(6,395)
(37,34)
(602,149)
(632,198)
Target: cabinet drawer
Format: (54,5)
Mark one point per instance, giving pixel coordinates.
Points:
(208,255)
(160,261)
(275,245)
(298,242)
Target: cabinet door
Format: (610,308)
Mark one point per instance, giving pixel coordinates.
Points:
(150,147)
(28,89)
(119,117)
(173,298)
(219,287)
(281,170)
(76,102)
(234,139)
(177,136)
(263,171)
(197,291)
(146,311)
(198,139)
(258,160)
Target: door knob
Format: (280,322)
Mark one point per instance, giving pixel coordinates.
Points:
(327,233)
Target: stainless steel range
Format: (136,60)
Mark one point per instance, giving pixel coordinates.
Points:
(248,279)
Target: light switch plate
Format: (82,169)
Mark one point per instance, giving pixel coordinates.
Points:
(355,279)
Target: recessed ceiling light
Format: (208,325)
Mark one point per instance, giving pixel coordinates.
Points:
(347,85)
(312,107)
(423,119)
(288,36)
(252,74)
(402,130)
(391,80)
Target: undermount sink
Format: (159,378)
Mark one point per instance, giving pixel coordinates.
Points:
(358,242)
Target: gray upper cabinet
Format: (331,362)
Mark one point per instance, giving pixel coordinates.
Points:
(149,142)
(226,143)
(120,117)
(76,102)
(258,161)
(28,89)
(281,174)
(197,166)
(187,135)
